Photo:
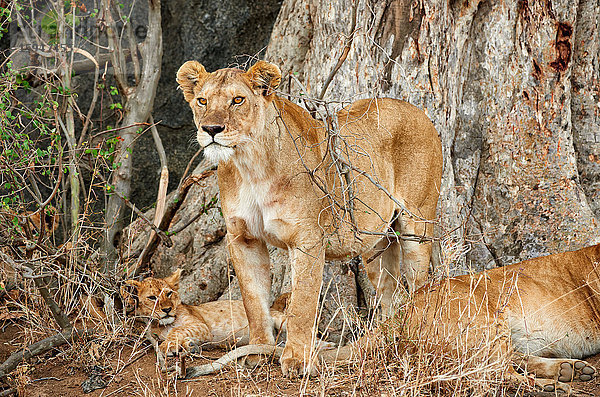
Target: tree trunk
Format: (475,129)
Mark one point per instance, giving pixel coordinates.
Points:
(512,88)
(139,100)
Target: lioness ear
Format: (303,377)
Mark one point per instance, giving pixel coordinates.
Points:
(264,77)
(189,75)
(173,279)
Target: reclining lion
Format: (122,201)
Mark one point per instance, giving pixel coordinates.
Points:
(285,181)
(543,314)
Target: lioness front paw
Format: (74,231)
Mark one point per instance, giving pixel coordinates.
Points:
(294,368)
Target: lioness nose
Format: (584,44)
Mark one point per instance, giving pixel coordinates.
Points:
(213,130)
(167,310)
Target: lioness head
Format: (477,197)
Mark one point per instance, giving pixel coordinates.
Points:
(155,298)
(229,104)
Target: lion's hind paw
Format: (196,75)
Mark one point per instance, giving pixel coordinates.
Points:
(576,371)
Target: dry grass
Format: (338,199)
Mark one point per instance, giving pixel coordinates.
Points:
(398,362)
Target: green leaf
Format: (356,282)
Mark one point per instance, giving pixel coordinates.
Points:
(49,23)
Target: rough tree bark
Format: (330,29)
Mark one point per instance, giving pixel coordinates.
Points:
(513,88)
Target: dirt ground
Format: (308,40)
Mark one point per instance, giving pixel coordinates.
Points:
(132,372)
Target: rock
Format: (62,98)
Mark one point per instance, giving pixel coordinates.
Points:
(96,380)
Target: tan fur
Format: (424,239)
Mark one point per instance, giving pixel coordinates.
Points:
(178,327)
(265,146)
(542,313)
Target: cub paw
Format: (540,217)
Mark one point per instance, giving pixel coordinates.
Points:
(194,347)
(576,371)
(173,348)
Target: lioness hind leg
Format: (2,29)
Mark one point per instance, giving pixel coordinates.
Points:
(561,369)
(384,273)
(416,255)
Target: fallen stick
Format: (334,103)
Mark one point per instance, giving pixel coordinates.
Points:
(41,347)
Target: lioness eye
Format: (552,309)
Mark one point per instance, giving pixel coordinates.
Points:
(202,101)
(238,99)
(152,297)
(169,294)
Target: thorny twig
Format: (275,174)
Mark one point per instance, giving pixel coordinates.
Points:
(204,209)
(172,208)
(166,239)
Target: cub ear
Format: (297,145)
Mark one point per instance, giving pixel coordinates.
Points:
(135,283)
(129,294)
(189,75)
(264,77)
(173,279)
(281,303)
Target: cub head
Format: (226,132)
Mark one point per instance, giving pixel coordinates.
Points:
(229,105)
(154,298)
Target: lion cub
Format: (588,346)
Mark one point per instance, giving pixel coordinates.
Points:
(179,328)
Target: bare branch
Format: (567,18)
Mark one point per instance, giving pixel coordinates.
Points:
(117,55)
(344,54)
(158,143)
(41,347)
(174,204)
(189,165)
(163,183)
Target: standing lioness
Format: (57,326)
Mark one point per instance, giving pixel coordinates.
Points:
(284,181)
